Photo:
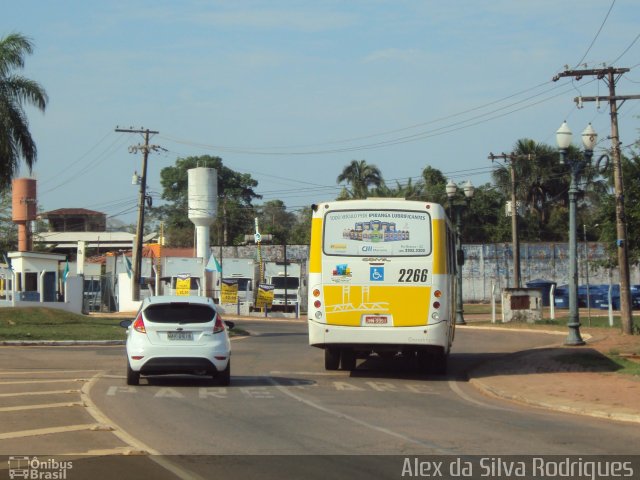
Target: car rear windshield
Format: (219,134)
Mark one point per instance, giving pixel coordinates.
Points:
(179,312)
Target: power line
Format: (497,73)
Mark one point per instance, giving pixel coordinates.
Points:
(449,128)
(597,34)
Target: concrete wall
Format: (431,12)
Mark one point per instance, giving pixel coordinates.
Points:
(485,264)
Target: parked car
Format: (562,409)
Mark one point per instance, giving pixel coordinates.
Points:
(178,335)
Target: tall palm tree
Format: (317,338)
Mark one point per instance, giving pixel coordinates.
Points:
(16,91)
(360,176)
(540,180)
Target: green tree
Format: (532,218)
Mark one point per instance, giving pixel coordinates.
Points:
(16,91)
(605,216)
(275,220)
(542,184)
(360,176)
(8,229)
(409,191)
(434,185)
(235,210)
(301,232)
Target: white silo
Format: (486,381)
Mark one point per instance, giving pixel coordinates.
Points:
(203,205)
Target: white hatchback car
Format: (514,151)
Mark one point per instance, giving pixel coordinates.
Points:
(178,335)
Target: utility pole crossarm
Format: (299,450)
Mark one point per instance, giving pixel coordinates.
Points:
(606,98)
(590,72)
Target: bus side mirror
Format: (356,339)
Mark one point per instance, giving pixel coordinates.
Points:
(460,257)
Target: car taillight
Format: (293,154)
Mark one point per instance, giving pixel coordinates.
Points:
(219,326)
(138,324)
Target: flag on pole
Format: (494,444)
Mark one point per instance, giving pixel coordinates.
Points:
(213,265)
(7,261)
(65,273)
(127,264)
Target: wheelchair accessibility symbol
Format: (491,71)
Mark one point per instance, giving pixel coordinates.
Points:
(376,274)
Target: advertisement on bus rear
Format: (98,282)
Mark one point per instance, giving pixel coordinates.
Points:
(377,232)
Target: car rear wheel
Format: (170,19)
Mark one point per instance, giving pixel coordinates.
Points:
(133,378)
(223,378)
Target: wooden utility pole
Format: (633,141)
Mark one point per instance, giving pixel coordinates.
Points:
(611,75)
(136,255)
(511,158)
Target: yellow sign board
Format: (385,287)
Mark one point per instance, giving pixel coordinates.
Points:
(183,285)
(265,295)
(229,290)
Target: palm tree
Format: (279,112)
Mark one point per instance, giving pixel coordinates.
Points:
(360,176)
(15,92)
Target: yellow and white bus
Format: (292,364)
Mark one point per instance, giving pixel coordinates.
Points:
(382,280)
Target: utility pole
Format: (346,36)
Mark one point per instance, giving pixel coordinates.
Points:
(142,197)
(511,158)
(611,75)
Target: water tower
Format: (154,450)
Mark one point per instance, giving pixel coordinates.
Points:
(24,210)
(203,205)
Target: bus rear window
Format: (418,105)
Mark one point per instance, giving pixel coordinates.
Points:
(377,232)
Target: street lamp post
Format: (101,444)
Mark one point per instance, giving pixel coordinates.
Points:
(576,166)
(456,211)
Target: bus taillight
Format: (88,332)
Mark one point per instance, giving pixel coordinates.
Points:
(317,304)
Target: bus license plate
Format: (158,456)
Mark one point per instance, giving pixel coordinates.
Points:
(180,335)
(376,320)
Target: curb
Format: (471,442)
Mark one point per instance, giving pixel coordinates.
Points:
(497,393)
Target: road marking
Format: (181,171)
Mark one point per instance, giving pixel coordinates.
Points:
(50,392)
(30,372)
(41,406)
(370,426)
(458,391)
(47,431)
(30,382)
(316,374)
(130,440)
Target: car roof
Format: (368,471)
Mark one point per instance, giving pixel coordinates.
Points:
(163,299)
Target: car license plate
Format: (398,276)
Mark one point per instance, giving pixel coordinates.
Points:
(376,320)
(180,335)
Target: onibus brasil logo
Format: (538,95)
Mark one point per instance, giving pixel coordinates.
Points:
(36,469)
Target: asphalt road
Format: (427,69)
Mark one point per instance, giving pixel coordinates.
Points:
(282,402)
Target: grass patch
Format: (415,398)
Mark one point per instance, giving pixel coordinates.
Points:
(596,362)
(52,324)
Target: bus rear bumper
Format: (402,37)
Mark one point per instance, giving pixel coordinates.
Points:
(322,335)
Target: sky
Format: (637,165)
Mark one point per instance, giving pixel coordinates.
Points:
(291,91)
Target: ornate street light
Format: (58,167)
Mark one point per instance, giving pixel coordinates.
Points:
(576,167)
(456,210)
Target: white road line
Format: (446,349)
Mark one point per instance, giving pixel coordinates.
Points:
(47,431)
(317,374)
(370,426)
(458,391)
(30,372)
(50,392)
(130,440)
(40,406)
(30,382)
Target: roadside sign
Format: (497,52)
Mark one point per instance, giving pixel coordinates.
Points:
(265,295)
(229,290)
(183,285)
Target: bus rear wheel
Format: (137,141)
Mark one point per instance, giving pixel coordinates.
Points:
(348,360)
(432,362)
(331,358)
